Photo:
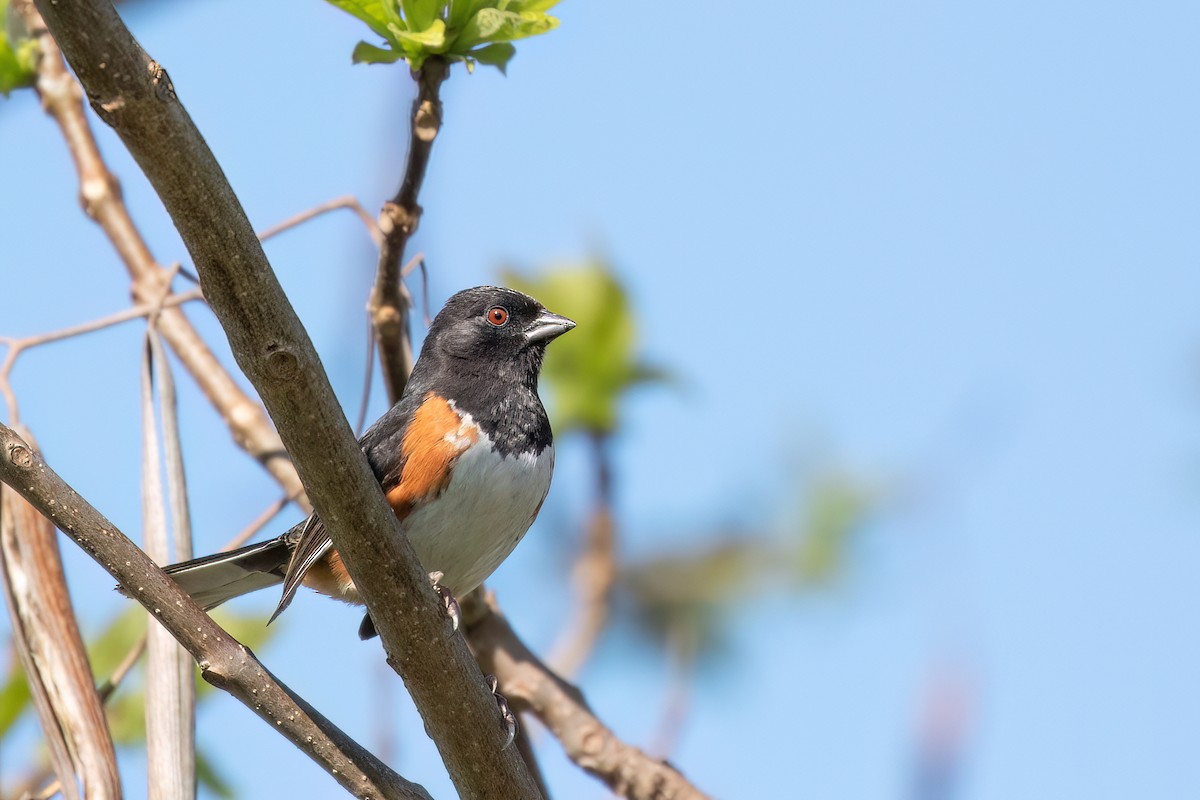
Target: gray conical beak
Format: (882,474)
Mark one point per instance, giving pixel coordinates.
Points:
(546,327)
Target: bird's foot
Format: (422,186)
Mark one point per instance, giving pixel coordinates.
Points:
(447,598)
(506,715)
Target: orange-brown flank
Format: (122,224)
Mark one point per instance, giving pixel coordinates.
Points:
(434,440)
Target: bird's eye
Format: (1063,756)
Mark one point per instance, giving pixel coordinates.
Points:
(497,316)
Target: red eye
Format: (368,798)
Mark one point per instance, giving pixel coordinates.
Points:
(497,316)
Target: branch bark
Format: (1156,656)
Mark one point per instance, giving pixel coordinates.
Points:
(134,95)
(224,662)
(52,652)
(390,300)
(529,685)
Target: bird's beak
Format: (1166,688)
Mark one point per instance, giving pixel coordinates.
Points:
(546,327)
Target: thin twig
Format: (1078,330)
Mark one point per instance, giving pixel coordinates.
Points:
(16,346)
(390,301)
(529,685)
(224,662)
(348,201)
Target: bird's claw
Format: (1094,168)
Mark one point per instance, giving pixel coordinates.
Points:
(506,714)
(448,600)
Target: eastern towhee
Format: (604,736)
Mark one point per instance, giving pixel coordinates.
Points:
(464,458)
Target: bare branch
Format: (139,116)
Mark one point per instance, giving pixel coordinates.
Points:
(52,652)
(100,193)
(390,301)
(316,211)
(18,346)
(224,662)
(529,685)
(134,95)
(594,573)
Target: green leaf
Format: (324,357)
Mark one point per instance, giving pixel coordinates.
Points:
(432,38)
(18,54)
(376,13)
(461,12)
(497,55)
(494,25)
(532,5)
(420,14)
(370,54)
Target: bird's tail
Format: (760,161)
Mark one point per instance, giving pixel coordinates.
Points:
(212,580)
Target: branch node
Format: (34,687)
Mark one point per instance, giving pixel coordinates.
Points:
(20,456)
(282,363)
(163,88)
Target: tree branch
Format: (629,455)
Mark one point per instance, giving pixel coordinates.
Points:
(135,96)
(529,685)
(224,662)
(390,300)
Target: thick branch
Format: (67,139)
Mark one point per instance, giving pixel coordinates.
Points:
(100,194)
(530,686)
(224,662)
(390,301)
(134,95)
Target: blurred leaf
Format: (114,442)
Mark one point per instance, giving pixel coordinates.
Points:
(590,369)
(18,58)
(457,30)
(107,650)
(210,778)
(14,698)
(687,594)
(127,709)
(837,508)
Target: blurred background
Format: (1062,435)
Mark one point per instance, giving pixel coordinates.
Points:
(904,437)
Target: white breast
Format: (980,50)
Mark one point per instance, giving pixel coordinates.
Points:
(480,516)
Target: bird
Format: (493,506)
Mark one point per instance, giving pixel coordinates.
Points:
(464,457)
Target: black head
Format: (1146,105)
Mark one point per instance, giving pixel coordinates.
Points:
(493,326)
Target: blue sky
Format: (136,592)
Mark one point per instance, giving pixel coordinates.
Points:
(950,248)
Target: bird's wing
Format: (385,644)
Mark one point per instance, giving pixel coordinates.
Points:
(412,450)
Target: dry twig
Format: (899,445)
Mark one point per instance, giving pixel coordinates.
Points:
(390,301)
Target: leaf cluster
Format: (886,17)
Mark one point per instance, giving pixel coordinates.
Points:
(471,31)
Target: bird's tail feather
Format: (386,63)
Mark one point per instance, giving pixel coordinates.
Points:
(212,580)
